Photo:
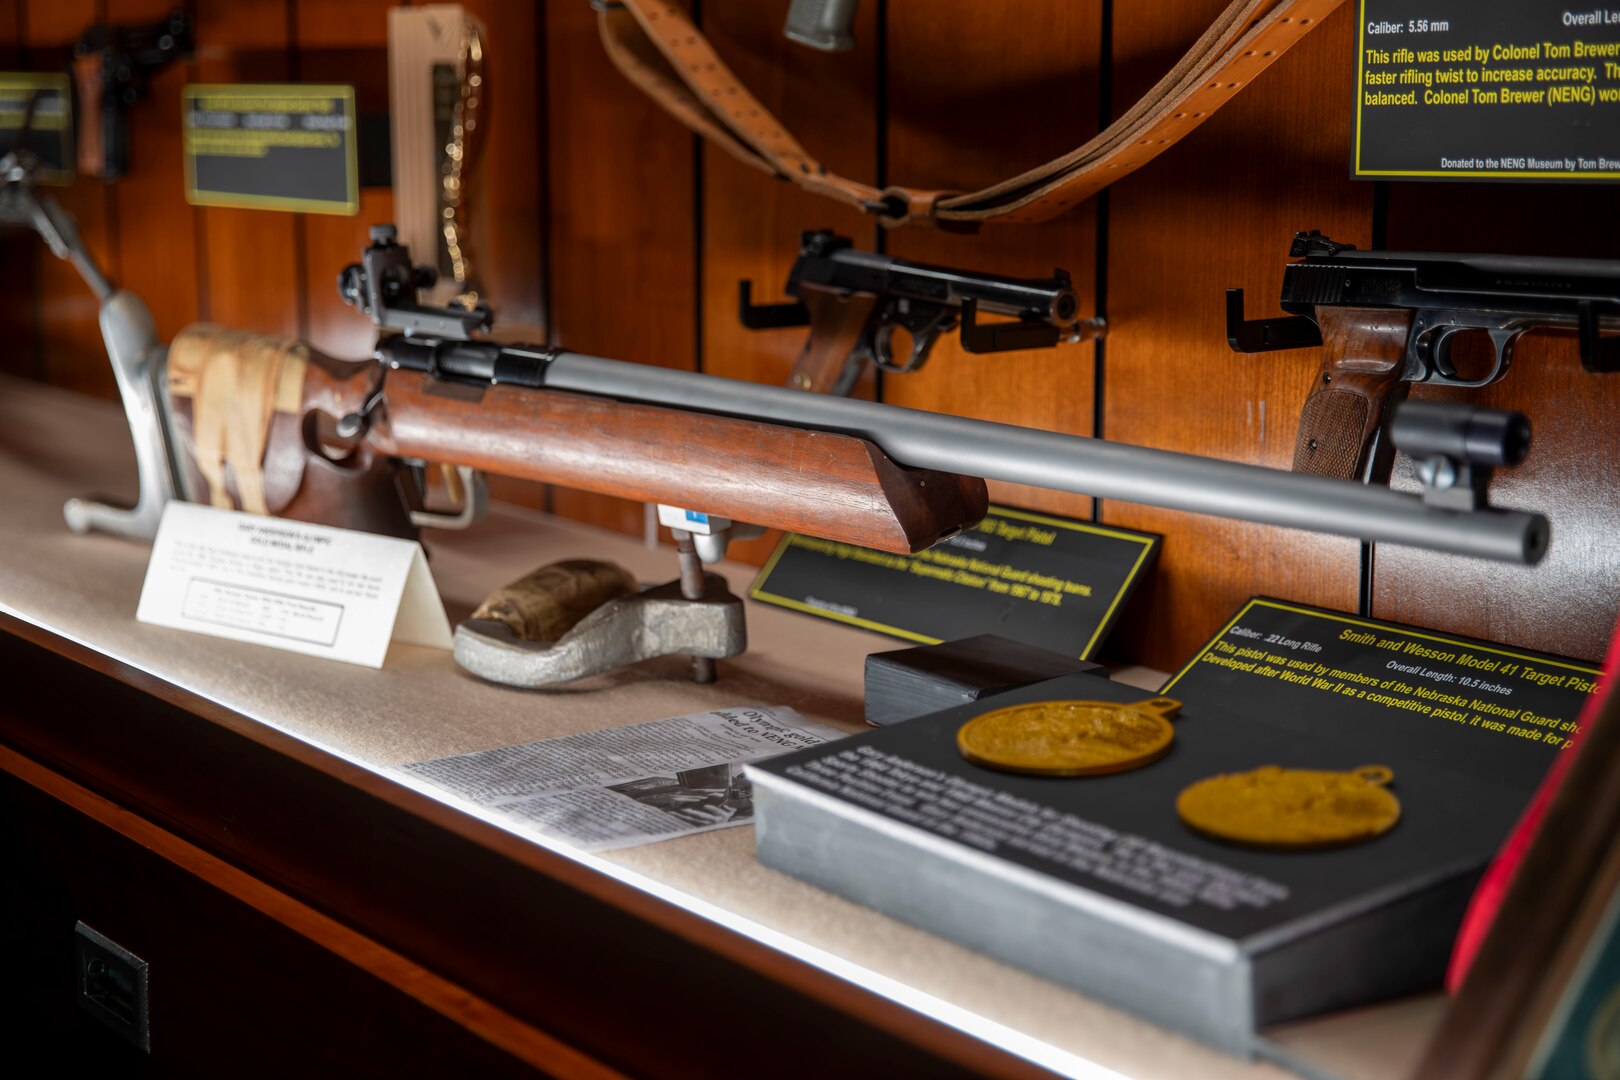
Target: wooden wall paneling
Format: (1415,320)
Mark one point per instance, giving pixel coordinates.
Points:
(752,221)
(250,258)
(341,41)
(19,250)
(975,96)
(11,28)
(1218,211)
(70,347)
(620,226)
(507,202)
(1567,604)
(156,228)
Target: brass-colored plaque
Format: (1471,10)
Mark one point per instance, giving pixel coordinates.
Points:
(1070,738)
(1292,809)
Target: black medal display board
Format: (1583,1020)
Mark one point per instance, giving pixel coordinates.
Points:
(1051,582)
(1212,937)
(1487,89)
(50,128)
(272,147)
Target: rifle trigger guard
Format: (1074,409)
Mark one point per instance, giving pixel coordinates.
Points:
(767,316)
(474,502)
(1266,335)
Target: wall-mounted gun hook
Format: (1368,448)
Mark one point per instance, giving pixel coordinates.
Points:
(994,337)
(1266,335)
(768,316)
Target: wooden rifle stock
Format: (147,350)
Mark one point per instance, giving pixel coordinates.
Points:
(825,484)
(1362,359)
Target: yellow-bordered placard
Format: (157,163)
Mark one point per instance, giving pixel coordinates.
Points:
(1371,624)
(15,86)
(275,97)
(1438,174)
(759,590)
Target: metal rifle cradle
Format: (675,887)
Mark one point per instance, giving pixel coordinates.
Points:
(661,621)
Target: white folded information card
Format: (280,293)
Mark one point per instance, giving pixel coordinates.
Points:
(306,588)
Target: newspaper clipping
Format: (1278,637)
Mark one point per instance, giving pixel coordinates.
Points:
(629,785)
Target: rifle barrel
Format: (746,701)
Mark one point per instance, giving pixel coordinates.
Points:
(1084,466)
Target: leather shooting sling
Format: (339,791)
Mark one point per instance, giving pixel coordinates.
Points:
(655,45)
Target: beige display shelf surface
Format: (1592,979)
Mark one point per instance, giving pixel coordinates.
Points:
(54,445)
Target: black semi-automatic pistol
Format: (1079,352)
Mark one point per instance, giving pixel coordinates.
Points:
(1389,319)
(853,301)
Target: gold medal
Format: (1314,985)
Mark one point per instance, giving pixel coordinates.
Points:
(1292,809)
(1070,738)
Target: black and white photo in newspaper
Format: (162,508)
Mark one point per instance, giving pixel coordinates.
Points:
(618,787)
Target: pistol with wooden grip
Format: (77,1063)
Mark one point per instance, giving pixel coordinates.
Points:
(111,67)
(854,301)
(1388,319)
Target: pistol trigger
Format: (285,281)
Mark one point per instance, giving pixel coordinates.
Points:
(922,344)
(873,343)
(1503,340)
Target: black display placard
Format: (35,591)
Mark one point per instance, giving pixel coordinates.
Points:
(1487,89)
(50,128)
(1427,693)
(1043,580)
(1284,685)
(272,147)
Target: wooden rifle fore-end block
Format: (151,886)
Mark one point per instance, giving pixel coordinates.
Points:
(825,484)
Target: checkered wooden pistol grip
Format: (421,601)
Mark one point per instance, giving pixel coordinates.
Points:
(1362,361)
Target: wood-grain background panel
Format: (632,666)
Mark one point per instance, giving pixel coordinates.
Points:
(346,42)
(70,351)
(751,221)
(1566,604)
(1216,211)
(156,227)
(622,228)
(506,211)
(252,259)
(975,96)
(599,224)
(506,204)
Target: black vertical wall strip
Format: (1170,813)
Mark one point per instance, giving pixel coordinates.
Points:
(1380,239)
(542,182)
(880,103)
(1105,111)
(697,225)
(543,196)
